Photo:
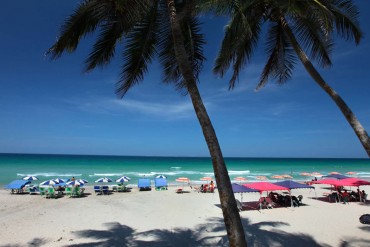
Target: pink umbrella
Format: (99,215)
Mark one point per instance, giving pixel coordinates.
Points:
(264,186)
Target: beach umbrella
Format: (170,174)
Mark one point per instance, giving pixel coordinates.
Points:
(351,173)
(123,179)
(82,181)
(306,174)
(59,180)
(103,180)
(183,180)
(287,176)
(30,178)
(261,177)
(206,179)
(334,173)
(161,176)
(277,177)
(240,179)
(48,182)
(73,183)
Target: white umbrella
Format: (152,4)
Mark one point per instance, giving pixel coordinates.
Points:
(48,182)
(59,180)
(161,176)
(103,180)
(29,178)
(73,183)
(123,179)
(82,181)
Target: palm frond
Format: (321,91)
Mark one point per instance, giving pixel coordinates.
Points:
(193,42)
(281,60)
(88,16)
(139,50)
(313,39)
(346,19)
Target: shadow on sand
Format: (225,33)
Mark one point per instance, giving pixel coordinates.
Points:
(263,234)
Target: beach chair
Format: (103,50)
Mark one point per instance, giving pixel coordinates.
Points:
(105,190)
(42,191)
(97,190)
(68,191)
(144,184)
(160,184)
(50,193)
(76,191)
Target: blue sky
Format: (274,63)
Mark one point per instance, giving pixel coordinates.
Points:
(53,107)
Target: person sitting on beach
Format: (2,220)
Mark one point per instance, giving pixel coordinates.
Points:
(345,196)
(363,196)
(205,188)
(201,188)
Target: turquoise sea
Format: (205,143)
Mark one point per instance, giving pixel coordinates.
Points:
(89,167)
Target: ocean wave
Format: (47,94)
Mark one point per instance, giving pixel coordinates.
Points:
(106,175)
(175,167)
(49,174)
(231,172)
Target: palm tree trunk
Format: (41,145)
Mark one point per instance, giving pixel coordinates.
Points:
(348,114)
(231,215)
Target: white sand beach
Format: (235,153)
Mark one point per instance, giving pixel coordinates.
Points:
(164,218)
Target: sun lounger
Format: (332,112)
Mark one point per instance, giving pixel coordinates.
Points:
(98,190)
(68,191)
(160,184)
(17,186)
(144,184)
(105,190)
(51,193)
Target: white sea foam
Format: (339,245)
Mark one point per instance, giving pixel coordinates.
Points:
(50,174)
(231,172)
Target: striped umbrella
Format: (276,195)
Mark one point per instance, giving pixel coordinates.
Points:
(59,180)
(82,181)
(48,182)
(277,177)
(287,176)
(206,179)
(261,177)
(161,176)
(123,179)
(240,179)
(334,173)
(351,173)
(30,178)
(103,180)
(183,180)
(73,183)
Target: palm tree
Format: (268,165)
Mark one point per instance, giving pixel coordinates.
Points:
(146,28)
(295,28)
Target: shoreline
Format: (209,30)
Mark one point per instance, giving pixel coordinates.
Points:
(164,218)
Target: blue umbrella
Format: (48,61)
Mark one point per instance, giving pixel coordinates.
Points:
(30,178)
(59,180)
(82,181)
(161,176)
(73,183)
(123,179)
(48,182)
(103,180)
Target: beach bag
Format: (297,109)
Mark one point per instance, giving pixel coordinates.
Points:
(365,219)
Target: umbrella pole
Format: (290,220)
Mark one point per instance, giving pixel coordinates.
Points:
(291,200)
